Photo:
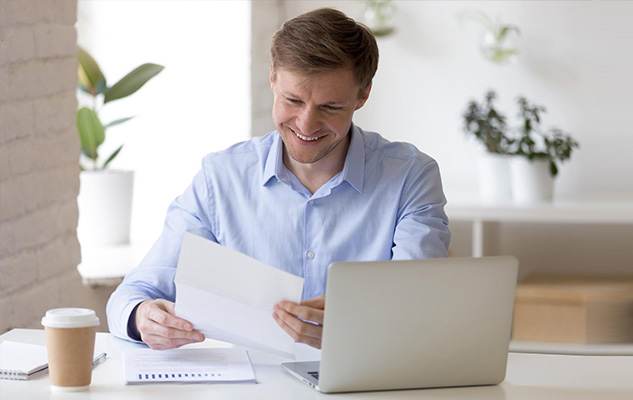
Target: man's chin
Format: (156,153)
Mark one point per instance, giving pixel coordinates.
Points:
(304,159)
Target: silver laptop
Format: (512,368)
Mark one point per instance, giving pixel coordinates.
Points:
(414,324)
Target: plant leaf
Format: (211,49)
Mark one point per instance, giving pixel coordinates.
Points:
(132,82)
(91,131)
(505,29)
(92,72)
(84,82)
(552,168)
(117,122)
(116,152)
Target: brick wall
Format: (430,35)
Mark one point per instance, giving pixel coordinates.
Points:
(39,154)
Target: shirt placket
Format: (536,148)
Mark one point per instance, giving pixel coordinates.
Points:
(307,250)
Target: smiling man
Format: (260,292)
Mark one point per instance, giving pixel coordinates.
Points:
(317,190)
(313,114)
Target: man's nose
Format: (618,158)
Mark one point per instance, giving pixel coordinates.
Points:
(308,121)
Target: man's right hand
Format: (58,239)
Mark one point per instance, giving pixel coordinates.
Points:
(159,327)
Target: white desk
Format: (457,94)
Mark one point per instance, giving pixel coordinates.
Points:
(529,376)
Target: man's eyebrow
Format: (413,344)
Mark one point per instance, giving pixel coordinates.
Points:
(327,103)
(289,94)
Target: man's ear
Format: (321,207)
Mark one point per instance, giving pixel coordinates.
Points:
(272,78)
(362,98)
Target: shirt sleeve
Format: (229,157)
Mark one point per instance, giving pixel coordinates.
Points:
(422,227)
(153,278)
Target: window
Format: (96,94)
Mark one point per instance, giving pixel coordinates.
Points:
(198,104)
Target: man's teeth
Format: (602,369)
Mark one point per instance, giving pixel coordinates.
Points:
(307,139)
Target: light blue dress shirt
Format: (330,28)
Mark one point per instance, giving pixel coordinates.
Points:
(386,203)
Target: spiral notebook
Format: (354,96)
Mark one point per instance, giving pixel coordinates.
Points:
(197,365)
(21,361)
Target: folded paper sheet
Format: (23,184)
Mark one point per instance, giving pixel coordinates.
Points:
(229,296)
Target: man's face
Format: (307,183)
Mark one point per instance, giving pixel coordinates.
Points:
(313,113)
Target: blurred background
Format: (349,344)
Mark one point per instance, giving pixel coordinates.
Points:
(571,57)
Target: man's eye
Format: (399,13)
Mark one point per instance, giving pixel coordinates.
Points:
(293,101)
(332,108)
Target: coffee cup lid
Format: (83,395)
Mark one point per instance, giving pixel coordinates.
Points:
(70,318)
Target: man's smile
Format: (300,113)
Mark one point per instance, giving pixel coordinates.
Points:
(306,138)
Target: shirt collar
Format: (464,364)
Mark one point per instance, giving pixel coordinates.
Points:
(274,165)
(353,170)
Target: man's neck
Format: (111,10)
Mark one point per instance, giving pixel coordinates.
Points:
(316,174)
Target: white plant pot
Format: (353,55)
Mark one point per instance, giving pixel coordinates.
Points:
(105,207)
(532,181)
(494,177)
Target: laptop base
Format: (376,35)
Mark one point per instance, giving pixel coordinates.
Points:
(304,371)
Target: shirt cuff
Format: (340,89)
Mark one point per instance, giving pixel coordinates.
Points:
(132,330)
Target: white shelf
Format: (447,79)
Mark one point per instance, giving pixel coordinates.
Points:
(107,265)
(615,349)
(599,209)
(564,211)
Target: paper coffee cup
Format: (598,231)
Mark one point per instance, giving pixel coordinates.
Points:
(70,342)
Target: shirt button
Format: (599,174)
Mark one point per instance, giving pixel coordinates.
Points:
(311,202)
(310,255)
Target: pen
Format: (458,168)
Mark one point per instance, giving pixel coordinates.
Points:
(100,358)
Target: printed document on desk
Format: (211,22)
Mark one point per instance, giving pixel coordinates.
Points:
(188,365)
(229,296)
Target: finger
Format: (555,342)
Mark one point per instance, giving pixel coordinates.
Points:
(150,327)
(303,329)
(162,312)
(304,312)
(163,317)
(314,342)
(161,343)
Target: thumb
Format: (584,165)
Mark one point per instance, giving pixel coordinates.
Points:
(316,302)
(168,306)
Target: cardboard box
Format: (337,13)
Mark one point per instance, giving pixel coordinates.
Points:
(564,309)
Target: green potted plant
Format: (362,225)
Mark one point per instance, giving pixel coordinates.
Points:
(379,16)
(499,42)
(536,155)
(105,195)
(519,162)
(489,127)
(93,82)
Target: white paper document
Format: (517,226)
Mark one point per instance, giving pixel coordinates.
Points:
(229,296)
(188,365)
(21,360)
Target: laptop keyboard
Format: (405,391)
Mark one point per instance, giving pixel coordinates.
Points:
(314,374)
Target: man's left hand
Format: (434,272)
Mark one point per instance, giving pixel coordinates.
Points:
(289,316)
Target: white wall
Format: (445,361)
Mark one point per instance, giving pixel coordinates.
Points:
(575,60)
(198,104)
